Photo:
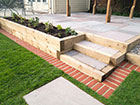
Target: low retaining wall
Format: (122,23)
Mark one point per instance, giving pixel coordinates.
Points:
(133,58)
(45,42)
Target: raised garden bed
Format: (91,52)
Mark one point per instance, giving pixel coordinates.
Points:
(48,43)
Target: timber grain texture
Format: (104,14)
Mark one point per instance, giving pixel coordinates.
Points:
(133,58)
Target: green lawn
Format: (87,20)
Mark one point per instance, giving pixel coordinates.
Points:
(21,72)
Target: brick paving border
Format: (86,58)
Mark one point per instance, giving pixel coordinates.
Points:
(105,88)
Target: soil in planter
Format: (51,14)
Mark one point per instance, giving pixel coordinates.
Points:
(41,27)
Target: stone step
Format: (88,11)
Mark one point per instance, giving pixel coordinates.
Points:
(99,52)
(87,65)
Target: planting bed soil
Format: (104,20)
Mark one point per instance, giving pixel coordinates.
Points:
(47,28)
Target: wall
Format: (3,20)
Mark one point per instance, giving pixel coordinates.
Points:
(76,5)
(37,6)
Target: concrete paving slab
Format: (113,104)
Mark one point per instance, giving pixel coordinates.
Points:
(128,32)
(132,28)
(116,35)
(97,47)
(60,92)
(91,45)
(101,27)
(87,60)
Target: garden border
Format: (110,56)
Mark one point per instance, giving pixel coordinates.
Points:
(45,42)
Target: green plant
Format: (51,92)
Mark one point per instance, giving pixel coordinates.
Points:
(70,31)
(29,25)
(14,16)
(59,27)
(59,34)
(48,26)
(73,32)
(21,21)
(34,21)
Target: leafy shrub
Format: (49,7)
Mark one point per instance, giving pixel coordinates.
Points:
(34,21)
(59,27)
(70,31)
(48,26)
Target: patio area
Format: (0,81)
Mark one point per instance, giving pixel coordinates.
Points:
(121,28)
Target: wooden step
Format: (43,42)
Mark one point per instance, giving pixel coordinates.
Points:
(99,52)
(87,65)
(108,42)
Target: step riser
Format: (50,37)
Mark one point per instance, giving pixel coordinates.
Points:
(117,58)
(98,75)
(92,53)
(133,42)
(107,42)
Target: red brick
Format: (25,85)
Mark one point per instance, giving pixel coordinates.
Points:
(63,66)
(138,69)
(115,82)
(103,90)
(121,72)
(128,65)
(56,60)
(74,73)
(123,63)
(43,55)
(87,80)
(116,78)
(92,83)
(78,75)
(52,59)
(119,75)
(71,70)
(96,87)
(133,67)
(82,78)
(110,84)
(127,70)
(109,93)
(67,68)
(48,58)
(59,65)
(56,63)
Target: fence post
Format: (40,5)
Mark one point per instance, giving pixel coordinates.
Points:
(132,9)
(109,11)
(94,7)
(68,8)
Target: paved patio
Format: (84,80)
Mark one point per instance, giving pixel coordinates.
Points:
(121,28)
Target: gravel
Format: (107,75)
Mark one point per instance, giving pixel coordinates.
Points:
(136,49)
